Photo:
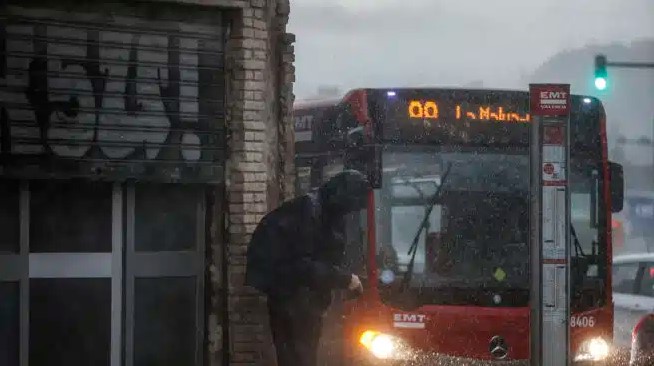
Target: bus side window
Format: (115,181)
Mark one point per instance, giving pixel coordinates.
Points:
(303,180)
(331,168)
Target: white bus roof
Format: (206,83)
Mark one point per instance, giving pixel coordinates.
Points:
(313,103)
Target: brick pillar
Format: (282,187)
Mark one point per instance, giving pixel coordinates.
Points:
(287,131)
(259,119)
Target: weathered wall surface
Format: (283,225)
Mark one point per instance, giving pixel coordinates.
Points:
(143,87)
(259,174)
(184,83)
(260,57)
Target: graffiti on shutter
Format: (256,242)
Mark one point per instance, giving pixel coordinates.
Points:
(123,97)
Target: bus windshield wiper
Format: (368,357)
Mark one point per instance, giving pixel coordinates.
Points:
(579,250)
(413,249)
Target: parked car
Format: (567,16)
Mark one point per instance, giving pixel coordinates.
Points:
(642,344)
(633,293)
(639,212)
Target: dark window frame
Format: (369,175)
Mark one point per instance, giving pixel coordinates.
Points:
(15,268)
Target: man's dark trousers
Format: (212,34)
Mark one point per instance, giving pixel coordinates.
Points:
(296,330)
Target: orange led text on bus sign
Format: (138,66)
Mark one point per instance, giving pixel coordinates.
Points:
(424,110)
(430,110)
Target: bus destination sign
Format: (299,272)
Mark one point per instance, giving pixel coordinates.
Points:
(457,117)
(430,109)
(489,118)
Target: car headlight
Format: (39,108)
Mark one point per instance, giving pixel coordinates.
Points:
(594,349)
(383,346)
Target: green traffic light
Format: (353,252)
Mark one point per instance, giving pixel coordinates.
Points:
(600,72)
(600,83)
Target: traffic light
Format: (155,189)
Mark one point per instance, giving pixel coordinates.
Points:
(600,72)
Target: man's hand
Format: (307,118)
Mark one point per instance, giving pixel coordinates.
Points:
(355,284)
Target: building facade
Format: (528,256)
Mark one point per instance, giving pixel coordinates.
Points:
(140,143)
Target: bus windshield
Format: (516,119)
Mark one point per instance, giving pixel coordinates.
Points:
(474,247)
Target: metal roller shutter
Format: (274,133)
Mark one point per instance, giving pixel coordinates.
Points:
(112,91)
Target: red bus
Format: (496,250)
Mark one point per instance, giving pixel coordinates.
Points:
(618,235)
(443,244)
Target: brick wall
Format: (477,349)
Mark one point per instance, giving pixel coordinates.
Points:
(259,171)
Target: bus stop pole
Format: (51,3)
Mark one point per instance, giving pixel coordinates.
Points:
(535,194)
(550,224)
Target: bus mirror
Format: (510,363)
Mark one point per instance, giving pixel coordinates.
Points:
(616,182)
(354,137)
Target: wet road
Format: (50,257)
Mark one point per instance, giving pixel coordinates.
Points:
(623,324)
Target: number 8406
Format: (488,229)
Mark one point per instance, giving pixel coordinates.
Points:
(582,321)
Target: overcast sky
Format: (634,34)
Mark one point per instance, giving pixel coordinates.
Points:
(356,43)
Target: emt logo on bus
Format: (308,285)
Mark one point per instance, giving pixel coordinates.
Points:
(414,321)
(303,127)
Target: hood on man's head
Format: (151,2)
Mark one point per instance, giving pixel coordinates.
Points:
(345,192)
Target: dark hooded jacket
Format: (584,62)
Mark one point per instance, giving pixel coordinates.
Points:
(299,246)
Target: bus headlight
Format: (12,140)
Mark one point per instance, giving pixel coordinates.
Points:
(383,346)
(594,349)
